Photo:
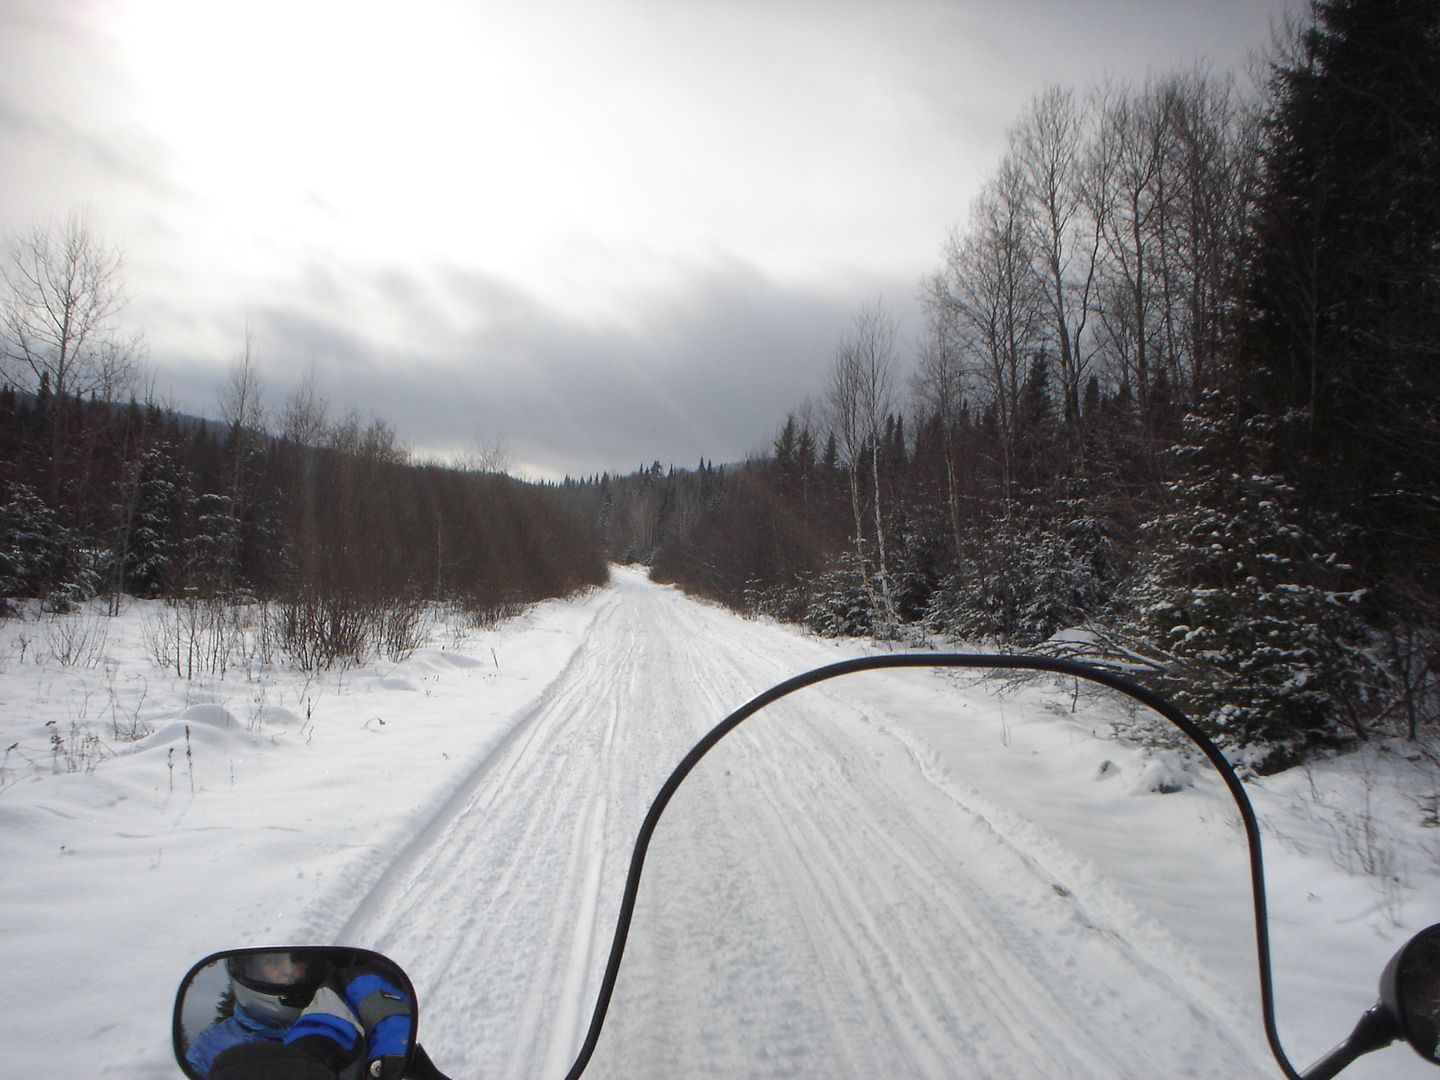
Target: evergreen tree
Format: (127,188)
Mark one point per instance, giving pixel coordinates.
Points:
(212,559)
(1036,567)
(1036,426)
(1247,596)
(39,557)
(1341,337)
(787,455)
(840,600)
(154,520)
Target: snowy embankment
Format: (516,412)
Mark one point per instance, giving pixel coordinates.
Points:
(902,874)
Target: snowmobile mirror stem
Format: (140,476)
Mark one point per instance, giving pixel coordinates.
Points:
(1375,1030)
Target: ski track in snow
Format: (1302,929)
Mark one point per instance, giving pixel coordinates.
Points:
(821,899)
(899,874)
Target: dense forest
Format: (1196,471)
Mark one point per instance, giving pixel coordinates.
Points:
(329,529)
(1179,389)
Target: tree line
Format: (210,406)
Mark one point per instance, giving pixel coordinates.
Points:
(328,525)
(1179,388)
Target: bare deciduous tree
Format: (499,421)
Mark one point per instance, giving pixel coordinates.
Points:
(1063,236)
(940,383)
(1169,181)
(244,414)
(304,419)
(859,399)
(240,404)
(485,456)
(997,302)
(1128,198)
(65,290)
(371,442)
(1213,176)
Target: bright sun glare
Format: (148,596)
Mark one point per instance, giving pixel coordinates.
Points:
(382,133)
(593,154)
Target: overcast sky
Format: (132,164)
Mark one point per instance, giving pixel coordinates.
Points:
(604,231)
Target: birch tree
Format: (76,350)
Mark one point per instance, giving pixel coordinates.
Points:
(64,293)
(858,399)
(997,303)
(60,338)
(1063,234)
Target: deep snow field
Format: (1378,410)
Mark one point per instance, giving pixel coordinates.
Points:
(911,874)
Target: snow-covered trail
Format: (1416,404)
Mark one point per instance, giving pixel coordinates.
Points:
(828,895)
(503,908)
(899,873)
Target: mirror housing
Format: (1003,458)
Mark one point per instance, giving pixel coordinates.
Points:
(313,1008)
(1410,992)
(1409,1009)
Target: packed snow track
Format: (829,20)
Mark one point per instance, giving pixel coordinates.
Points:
(830,895)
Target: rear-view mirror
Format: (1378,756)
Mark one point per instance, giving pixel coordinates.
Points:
(1410,992)
(296,1009)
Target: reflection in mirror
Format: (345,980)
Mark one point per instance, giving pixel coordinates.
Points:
(305,1011)
(1419,993)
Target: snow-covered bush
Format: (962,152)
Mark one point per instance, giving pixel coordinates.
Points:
(39,557)
(1257,614)
(1028,575)
(840,604)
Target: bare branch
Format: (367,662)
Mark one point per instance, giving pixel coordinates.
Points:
(64,290)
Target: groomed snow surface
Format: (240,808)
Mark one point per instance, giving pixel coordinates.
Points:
(895,874)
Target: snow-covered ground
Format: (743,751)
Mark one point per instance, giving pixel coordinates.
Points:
(900,874)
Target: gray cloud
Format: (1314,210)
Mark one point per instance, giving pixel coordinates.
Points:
(640,240)
(709,375)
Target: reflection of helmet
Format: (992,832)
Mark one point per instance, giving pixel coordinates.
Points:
(275,986)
